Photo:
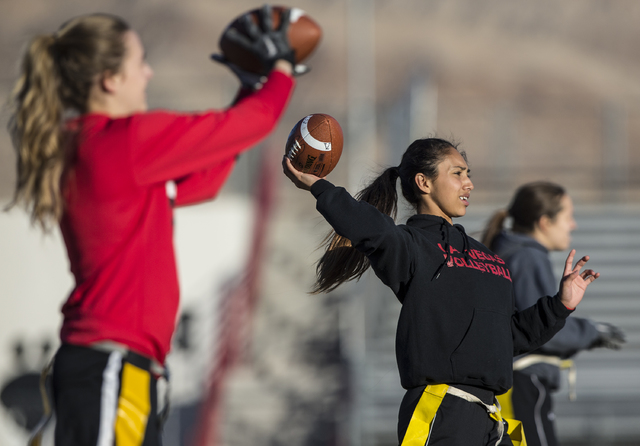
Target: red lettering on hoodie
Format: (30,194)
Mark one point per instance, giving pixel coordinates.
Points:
(481,267)
(452,250)
(462,262)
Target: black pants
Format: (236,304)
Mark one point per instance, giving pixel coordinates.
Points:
(532,405)
(100,398)
(457,422)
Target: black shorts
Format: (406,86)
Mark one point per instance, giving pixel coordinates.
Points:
(104,398)
(532,404)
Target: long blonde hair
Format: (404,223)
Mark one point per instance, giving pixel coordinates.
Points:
(57,73)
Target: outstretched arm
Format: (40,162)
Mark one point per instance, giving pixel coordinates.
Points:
(369,230)
(169,145)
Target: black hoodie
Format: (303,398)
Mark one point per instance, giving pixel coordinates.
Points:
(458,323)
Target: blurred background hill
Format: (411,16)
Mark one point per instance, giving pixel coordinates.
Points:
(538,90)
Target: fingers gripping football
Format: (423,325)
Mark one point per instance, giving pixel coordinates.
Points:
(265,42)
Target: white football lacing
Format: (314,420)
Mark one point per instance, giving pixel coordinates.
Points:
(293,151)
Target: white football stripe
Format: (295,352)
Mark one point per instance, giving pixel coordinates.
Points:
(318,145)
(295,14)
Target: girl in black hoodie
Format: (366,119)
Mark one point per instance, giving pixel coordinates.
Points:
(458,329)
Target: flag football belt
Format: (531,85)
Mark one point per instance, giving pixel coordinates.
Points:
(425,412)
(530,360)
(155,368)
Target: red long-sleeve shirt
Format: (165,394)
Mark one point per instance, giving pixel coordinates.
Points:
(117,221)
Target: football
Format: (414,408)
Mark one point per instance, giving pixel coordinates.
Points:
(315,144)
(304,35)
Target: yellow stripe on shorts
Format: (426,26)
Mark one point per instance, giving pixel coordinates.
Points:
(134,406)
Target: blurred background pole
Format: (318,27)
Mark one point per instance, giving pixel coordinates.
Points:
(423,106)
(413,116)
(615,152)
(361,91)
(505,145)
(361,154)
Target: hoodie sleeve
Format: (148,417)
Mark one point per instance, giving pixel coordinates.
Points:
(534,326)
(533,277)
(371,232)
(577,334)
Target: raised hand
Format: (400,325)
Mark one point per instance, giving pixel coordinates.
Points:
(574,283)
(265,42)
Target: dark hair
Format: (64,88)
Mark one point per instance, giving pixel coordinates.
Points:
(530,203)
(57,74)
(341,262)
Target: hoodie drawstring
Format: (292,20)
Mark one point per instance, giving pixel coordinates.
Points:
(447,249)
(465,241)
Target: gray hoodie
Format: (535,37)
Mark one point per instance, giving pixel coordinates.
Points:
(533,277)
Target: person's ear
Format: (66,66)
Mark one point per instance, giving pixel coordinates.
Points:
(423,183)
(543,223)
(109,82)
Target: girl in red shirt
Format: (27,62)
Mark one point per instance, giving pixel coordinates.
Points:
(102,176)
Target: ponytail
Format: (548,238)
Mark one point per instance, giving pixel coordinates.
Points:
(529,204)
(494,227)
(341,262)
(35,127)
(57,74)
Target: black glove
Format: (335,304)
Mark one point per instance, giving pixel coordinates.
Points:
(610,336)
(266,43)
(248,80)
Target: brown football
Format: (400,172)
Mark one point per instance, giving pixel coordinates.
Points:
(315,144)
(304,35)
